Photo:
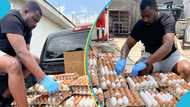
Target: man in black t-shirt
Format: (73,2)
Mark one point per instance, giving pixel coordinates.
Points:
(15,59)
(156,31)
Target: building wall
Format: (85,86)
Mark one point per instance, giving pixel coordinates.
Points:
(131,6)
(186,8)
(40,33)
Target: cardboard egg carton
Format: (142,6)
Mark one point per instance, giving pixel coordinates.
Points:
(153,98)
(63,87)
(92,59)
(80,90)
(123,97)
(54,100)
(80,101)
(80,86)
(112,81)
(168,79)
(37,89)
(142,82)
(82,81)
(107,64)
(66,77)
(179,90)
(94,77)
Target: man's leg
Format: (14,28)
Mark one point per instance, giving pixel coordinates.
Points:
(183,69)
(98,34)
(12,67)
(29,81)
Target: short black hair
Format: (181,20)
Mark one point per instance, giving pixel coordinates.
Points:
(33,6)
(148,3)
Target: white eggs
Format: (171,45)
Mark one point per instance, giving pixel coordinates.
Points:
(108,82)
(95,90)
(120,101)
(125,101)
(103,85)
(118,85)
(113,85)
(113,101)
(70,102)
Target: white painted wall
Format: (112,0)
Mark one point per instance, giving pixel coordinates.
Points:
(186,4)
(40,33)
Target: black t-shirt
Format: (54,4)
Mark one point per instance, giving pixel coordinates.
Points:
(13,23)
(151,35)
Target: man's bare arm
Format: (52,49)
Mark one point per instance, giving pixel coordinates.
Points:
(18,43)
(130,42)
(164,50)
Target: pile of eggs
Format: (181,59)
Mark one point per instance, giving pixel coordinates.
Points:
(142,82)
(92,60)
(153,98)
(92,67)
(54,99)
(123,97)
(100,95)
(179,90)
(65,76)
(80,85)
(109,79)
(80,101)
(107,64)
(63,79)
(81,81)
(113,81)
(81,90)
(168,79)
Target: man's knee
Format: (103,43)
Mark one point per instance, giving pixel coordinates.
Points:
(183,67)
(13,67)
(186,68)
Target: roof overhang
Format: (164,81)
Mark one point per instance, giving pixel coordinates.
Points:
(54,15)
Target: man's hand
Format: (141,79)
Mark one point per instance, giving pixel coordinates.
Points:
(51,85)
(120,65)
(141,68)
(137,68)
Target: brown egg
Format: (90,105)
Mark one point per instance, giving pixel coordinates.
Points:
(122,91)
(117,93)
(101,97)
(158,100)
(77,100)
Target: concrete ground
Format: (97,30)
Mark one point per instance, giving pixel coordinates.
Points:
(136,52)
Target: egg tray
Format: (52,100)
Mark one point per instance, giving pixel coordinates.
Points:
(142,82)
(106,65)
(80,90)
(155,98)
(134,99)
(35,90)
(165,80)
(112,81)
(95,79)
(76,99)
(63,87)
(178,90)
(55,99)
(65,76)
(82,81)
(46,105)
